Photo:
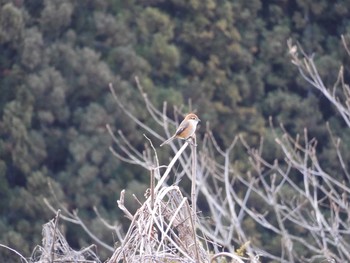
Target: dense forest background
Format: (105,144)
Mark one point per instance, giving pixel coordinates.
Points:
(227,58)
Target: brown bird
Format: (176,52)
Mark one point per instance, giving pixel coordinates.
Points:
(186,128)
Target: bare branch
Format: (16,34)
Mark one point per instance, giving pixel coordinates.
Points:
(14,251)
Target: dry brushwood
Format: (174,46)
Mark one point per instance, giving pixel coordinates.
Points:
(55,248)
(163,228)
(165,233)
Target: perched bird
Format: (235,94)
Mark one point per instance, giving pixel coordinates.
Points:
(186,128)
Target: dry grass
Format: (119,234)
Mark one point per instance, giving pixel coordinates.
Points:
(55,248)
(164,233)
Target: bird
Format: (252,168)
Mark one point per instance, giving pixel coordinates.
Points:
(186,128)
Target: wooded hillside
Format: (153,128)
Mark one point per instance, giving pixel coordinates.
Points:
(226,60)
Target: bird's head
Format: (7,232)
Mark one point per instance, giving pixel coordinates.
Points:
(192,117)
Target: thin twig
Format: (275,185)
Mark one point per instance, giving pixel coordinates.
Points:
(54,235)
(171,164)
(194,178)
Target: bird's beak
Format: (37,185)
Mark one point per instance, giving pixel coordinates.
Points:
(199,120)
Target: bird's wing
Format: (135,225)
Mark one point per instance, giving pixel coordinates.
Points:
(183,125)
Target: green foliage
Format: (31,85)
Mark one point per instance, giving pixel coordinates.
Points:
(153,22)
(11,24)
(56,16)
(4,186)
(32,51)
(295,112)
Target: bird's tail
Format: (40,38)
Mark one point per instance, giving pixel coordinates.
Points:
(168,140)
